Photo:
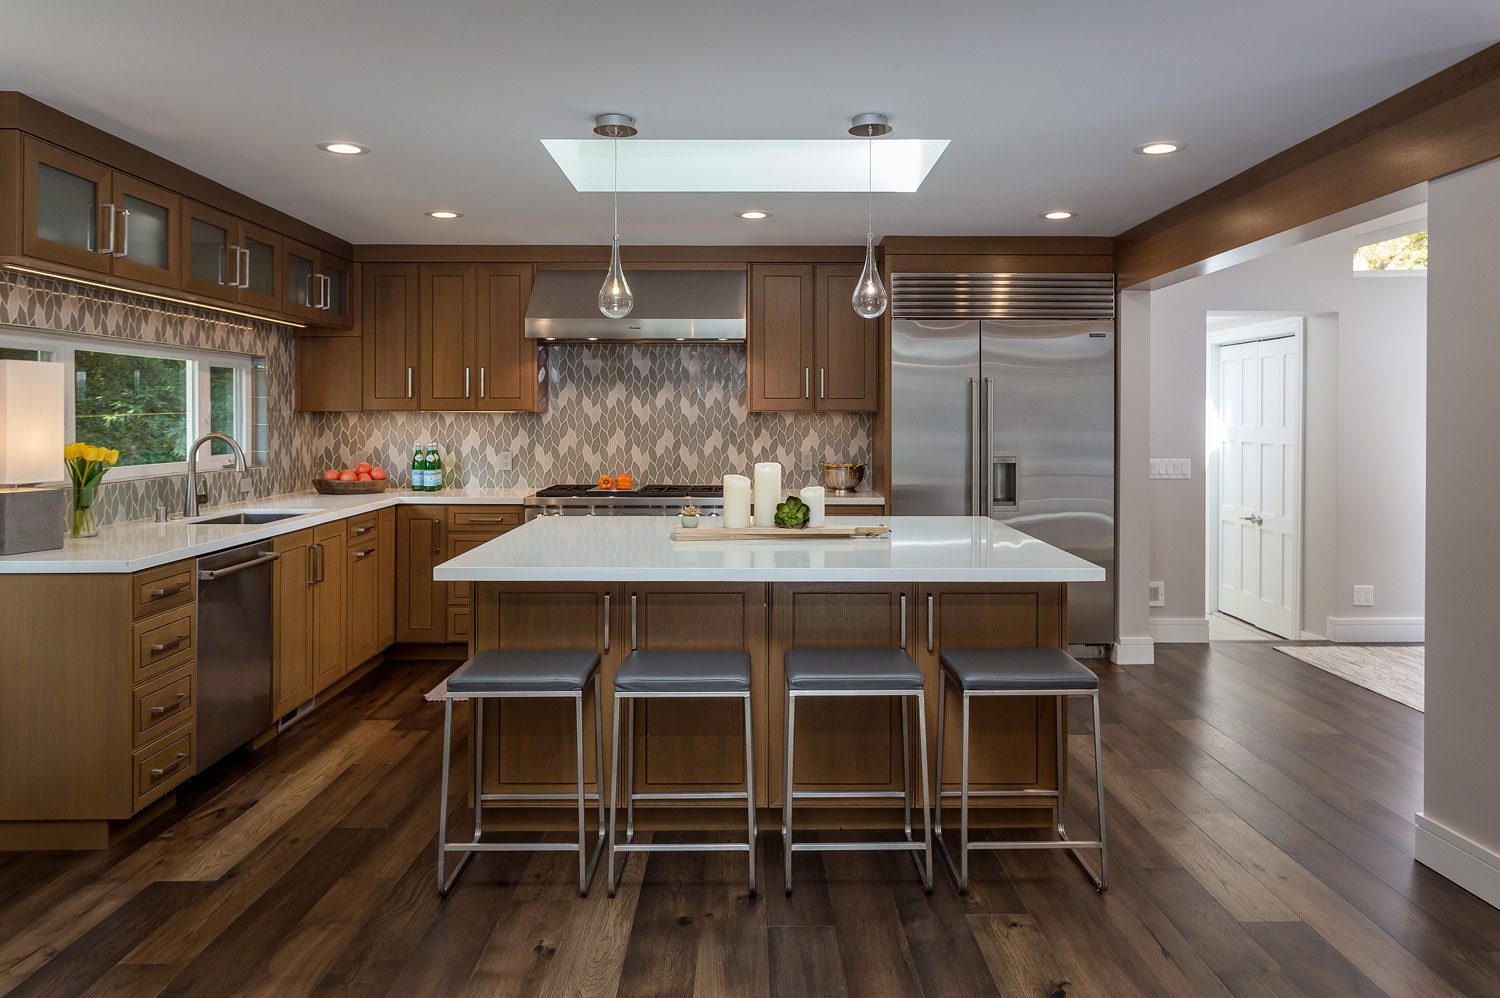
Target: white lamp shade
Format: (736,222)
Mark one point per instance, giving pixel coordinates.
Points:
(31,422)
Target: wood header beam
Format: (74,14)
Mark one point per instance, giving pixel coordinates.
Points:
(1447,122)
(545,255)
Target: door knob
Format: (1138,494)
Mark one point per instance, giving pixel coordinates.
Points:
(1253,518)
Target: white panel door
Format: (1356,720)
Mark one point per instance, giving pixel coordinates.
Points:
(1259,400)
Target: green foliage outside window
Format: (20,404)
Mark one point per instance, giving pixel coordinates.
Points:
(1407,252)
(135,405)
(221,391)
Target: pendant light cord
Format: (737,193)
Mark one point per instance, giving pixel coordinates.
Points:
(870,190)
(614,145)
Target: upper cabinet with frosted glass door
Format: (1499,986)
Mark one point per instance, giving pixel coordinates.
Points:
(317,284)
(82,214)
(231,259)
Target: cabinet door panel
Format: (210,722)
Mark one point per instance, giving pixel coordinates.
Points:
(330,607)
(363,617)
(334,273)
(213,261)
(294,622)
(299,296)
(260,274)
(148,232)
(421,603)
(390,320)
(62,219)
(507,360)
(847,378)
(448,336)
(386,608)
(780,337)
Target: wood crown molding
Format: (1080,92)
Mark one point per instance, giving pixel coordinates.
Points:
(548,255)
(1447,122)
(999,245)
(26,114)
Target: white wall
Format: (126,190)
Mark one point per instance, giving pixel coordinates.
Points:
(1380,356)
(1133,549)
(1458,832)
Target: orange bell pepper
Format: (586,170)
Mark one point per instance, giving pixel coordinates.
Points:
(606,483)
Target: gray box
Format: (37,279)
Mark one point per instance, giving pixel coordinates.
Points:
(32,520)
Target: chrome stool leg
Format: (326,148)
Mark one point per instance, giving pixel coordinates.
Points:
(1062,767)
(750,790)
(630,771)
(786,794)
(1103,882)
(905,769)
(963,807)
(926,795)
(614,794)
(583,844)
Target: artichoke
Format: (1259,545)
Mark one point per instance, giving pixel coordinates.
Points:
(792,513)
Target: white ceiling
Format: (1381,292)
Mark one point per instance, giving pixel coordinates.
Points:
(1043,101)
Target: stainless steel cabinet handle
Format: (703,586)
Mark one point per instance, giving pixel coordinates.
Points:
(807,382)
(632,621)
(327,292)
(110,249)
(362,555)
(408,382)
(481,383)
(164,770)
(929,621)
(124,232)
(488,519)
(161,709)
(163,646)
(466,382)
(361,531)
(903,620)
(310,302)
(171,590)
(245,268)
(234,281)
(822,383)
(606,621)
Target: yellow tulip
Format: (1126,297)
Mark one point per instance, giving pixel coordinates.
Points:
(72,451)
(114,456)
(91,453)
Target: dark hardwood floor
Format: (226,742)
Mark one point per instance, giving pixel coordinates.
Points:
(1260,813)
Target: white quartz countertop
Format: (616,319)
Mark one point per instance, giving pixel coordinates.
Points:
(140,544)
(640,549)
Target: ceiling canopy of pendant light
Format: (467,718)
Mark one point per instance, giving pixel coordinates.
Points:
(870,298)
(615,297)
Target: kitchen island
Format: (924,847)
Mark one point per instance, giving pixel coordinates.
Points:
(617,584)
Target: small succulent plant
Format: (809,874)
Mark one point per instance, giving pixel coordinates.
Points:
(690,511)
(792,513)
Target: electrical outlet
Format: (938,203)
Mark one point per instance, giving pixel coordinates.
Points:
(1156,594)
(1364,595)
(504,460)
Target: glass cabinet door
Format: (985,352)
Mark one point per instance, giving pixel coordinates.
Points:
(260,280)
(336,281)
(65,208)
(146,232)
(302,291)
(213,260)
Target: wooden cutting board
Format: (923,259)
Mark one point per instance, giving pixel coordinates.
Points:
(774,533)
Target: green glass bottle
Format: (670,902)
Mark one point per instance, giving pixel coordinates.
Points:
(434,468)
(418,481)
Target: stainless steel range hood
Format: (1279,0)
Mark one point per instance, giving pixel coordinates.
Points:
(688,306)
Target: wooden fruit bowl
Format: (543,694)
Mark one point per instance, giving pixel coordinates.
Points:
(327,488)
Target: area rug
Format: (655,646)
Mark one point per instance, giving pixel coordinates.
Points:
(1394,671)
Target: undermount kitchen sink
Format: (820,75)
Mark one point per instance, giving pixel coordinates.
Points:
(250,516)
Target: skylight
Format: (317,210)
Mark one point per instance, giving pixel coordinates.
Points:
(747,165)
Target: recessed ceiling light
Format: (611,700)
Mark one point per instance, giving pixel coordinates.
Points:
(1159,148)
(754,215)
(344,148)
(1058,216)
(445,213)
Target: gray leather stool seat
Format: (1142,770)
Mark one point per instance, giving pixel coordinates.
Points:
(1018,669)
(853,669)
(560,670)
(684,672)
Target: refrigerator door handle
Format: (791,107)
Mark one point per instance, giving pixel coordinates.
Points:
(985,466)
(1003,483)
(975,508)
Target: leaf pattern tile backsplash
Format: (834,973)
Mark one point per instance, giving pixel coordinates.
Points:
(661,412)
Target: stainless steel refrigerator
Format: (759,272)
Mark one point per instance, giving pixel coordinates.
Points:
(1003,404)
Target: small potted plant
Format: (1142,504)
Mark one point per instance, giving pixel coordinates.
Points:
(690,516)
(86,466)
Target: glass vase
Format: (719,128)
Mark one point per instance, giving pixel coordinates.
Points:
(83,522)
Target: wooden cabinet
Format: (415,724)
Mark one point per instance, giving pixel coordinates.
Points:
(230,259)
(386,600)
(807,350)
(474,351)
(363,584)
(260,276)
(294,578)
(148,231)
(421,602)
(316,284)
(467,527)
(391,328)
(327,377)
(330,606)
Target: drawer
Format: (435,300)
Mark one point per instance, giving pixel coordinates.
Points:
(483,518)
(164,704)
(163,642)
(162,588)
(458,623)
(164,764)
(366,526)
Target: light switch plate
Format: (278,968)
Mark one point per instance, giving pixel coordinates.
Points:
(1172,467)
(504,460)
(1364,595)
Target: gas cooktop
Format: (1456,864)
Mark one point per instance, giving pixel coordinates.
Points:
(588,491)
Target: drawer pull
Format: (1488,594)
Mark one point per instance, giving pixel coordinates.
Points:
(161,709)
(488,519)
(155,649)
(361,531)
(360,555)
(171,590)
(161,771)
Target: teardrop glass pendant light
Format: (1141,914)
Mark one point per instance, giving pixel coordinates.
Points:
(870,298)
(615,297)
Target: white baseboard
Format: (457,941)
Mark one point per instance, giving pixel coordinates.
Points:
(1468,864)
(1180,630)
(1357,629)
(1134,651)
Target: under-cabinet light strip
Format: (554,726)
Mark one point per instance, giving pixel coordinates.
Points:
(69,279)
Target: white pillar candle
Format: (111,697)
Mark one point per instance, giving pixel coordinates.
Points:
(736,501)
(813,497)
(767,493)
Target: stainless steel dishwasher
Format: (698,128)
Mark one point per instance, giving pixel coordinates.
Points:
(234,649)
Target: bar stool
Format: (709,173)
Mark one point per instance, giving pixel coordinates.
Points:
(1028,672)
(560,674)
(857,672)
(677,675)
